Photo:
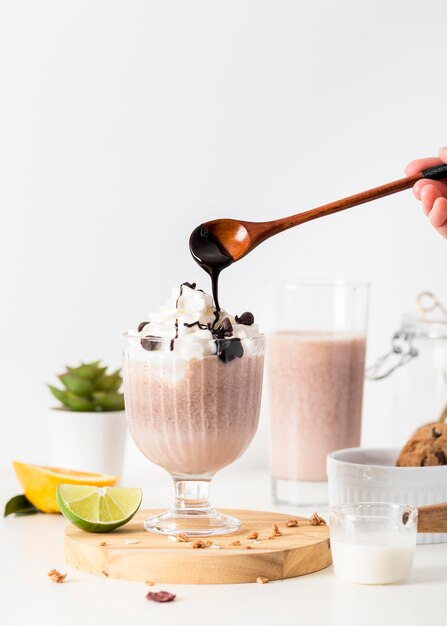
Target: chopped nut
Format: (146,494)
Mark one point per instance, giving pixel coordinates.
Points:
(276,531)
(235,543)
(316,520)
(291,523)
(56,576)
(182,538)
(105,573)
(253,535)
(208,544)
(262,580)
(249,547)
(271,537)
(103,543)
(199,544)
(149,583)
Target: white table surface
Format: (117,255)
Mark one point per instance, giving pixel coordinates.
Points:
(31,546)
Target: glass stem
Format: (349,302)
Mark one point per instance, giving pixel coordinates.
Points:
(192,495)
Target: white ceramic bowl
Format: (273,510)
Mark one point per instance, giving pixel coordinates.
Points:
(370,475)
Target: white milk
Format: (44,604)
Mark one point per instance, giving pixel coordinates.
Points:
(384,561)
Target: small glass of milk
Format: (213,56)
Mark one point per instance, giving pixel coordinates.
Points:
(373,543)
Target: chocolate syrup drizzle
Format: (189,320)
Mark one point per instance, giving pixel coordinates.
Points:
(171,344)
(191,286)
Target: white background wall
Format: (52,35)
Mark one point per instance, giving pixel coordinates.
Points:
(125,124)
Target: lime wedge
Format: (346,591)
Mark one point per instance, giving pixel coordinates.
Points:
(98,509)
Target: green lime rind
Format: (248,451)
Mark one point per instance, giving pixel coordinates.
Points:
(98,509)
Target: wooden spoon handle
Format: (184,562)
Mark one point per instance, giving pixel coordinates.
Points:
(439,172)
(432,518)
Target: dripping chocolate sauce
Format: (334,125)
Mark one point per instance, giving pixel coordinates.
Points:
(212,257)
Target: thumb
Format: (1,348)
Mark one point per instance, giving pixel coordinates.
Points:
(443,154)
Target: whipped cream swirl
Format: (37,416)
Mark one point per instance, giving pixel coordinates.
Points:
(190,326)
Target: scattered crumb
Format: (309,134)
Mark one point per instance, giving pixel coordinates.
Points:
(316,520)
(103,543)
(208,544)
(182,538)
(271,537)
(149,583)
(235,543)
(262,580)
(160,596)
(249,547)
(291,523)
(105,573)
(131,541)
(56,576)
(253,535)
(276,531)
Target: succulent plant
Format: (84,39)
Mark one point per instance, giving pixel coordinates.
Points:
(88,387)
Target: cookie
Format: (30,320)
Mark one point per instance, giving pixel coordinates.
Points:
(427,447)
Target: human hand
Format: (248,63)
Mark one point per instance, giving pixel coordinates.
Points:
(432,193)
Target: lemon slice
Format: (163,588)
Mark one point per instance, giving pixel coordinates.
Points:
(39,483)
(98,509)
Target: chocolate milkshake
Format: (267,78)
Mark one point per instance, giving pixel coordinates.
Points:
(316,359)
(316,389)
(193,417)
(192,382)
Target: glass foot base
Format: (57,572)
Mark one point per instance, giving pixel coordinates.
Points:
(192,523)
(299,493)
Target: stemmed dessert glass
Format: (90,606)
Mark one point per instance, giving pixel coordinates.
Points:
(192,417)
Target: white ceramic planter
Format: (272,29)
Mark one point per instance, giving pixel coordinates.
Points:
(89,442)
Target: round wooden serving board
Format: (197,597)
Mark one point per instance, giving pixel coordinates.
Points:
(131,553)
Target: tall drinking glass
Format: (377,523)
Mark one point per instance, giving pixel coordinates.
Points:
(315,367)
(193,417)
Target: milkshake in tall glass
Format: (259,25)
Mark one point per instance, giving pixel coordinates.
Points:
(316,362)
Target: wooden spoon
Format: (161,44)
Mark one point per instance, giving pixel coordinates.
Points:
(432,518)
(236,238)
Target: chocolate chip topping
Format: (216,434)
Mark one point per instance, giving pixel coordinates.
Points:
(440,455)
(150,342)
(141,325)
(229,349)
(247,319)
(225,329)
(434,433)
